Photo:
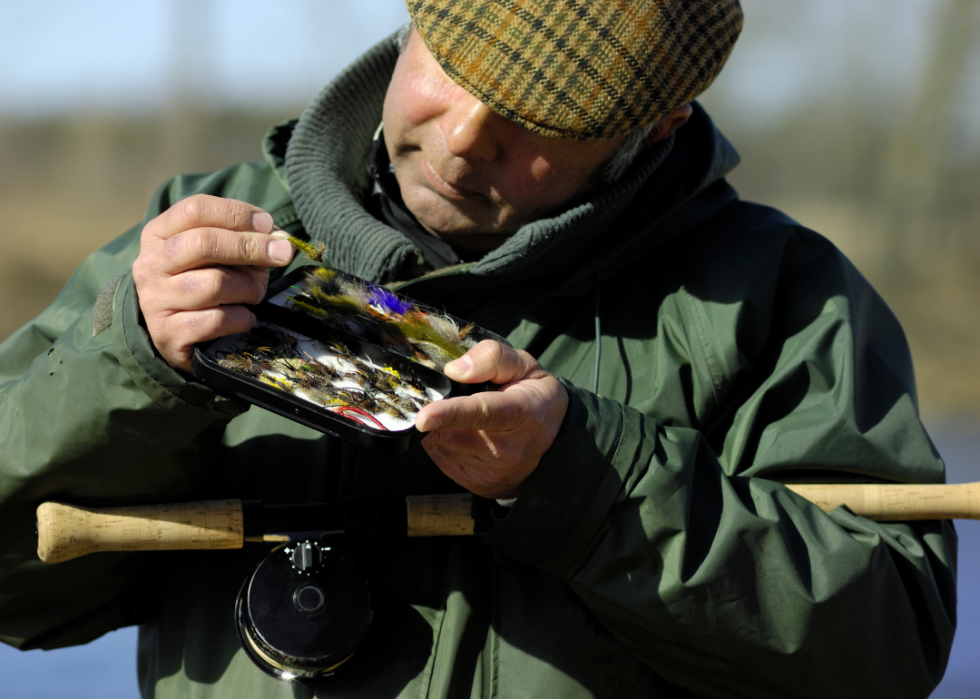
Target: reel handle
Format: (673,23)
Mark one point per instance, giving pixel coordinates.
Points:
(66,531)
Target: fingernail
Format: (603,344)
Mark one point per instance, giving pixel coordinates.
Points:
(280,251)
(461,367)
(261,222)
(430,425)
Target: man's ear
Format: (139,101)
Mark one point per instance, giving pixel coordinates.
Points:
(669,124)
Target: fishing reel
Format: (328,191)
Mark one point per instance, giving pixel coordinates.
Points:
(304,612)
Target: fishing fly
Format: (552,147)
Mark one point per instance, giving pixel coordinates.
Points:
(379,315)
(312,251)
(342,355)
(328,374)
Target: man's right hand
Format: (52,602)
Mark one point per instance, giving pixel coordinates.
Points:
(198,261)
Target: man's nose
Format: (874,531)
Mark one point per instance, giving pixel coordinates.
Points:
(471,129)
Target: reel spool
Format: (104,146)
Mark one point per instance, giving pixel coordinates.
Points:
(304,611)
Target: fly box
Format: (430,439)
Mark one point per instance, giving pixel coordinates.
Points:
(341,355)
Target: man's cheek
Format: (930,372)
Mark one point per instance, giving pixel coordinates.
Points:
(541,169)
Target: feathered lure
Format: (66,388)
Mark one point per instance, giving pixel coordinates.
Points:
(313,251)
(340,381)
(379,315)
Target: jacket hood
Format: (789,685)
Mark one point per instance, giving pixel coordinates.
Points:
(669,188)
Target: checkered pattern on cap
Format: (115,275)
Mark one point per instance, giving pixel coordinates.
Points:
(580,69)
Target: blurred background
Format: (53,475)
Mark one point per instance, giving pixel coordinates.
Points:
(856,117)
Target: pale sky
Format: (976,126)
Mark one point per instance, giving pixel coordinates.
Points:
(64,56)
(106,55)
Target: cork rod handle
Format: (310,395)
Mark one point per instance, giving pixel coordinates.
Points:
(440,515)
(65,531)
(898,502)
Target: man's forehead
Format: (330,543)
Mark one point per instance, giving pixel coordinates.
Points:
(580,69)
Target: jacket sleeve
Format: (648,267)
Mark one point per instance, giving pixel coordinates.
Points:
(681,537)
(91,415)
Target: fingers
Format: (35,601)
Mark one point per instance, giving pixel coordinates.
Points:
(491,410)
(205,211)
(213,246)
(493,362)
(490,443)
(203,231)
(198,289)
(525,389)
(199,261)
(177,333)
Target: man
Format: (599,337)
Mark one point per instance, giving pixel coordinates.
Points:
(634,536)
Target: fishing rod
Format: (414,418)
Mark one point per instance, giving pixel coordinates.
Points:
(65,531)
(305,610)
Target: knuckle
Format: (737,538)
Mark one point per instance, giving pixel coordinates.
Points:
(172,245)
(149,232)
(214,281)
(157,227)
(252,248)
(193,209)
(200,245)
(191,283)
(212,320)
(241,214)
(204,210)
(139,270)
(201,325)
(260,283)
(259,294)
(526,359)
(163,329)
(491,349)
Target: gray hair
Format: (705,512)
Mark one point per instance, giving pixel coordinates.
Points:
(401,38)
(616,166)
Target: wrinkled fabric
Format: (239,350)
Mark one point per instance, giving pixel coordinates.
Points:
(654,551)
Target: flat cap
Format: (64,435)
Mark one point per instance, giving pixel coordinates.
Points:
(580,69)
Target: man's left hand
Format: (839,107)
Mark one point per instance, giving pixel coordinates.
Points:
(491,442)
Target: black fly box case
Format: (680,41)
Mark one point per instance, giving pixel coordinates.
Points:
(341,355)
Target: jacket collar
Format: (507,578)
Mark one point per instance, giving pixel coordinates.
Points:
(324,165)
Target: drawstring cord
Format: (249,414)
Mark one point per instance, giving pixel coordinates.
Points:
(598,337)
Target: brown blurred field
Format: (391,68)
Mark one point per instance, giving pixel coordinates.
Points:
(68,186)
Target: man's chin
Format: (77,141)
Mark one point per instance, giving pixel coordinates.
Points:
(463,233)
(471,228)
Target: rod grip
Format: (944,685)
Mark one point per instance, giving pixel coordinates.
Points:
(896,502)
(440,515)
(66,531)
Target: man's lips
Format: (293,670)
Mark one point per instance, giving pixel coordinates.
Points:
(439,183)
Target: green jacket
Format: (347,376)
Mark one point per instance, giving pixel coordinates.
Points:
(654,552)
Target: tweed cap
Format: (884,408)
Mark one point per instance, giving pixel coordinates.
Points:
(580,69)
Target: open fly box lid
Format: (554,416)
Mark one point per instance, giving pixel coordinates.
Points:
(341,355)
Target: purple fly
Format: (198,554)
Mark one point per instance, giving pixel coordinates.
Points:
(387,301)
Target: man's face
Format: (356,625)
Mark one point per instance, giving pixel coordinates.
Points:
(471,176)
